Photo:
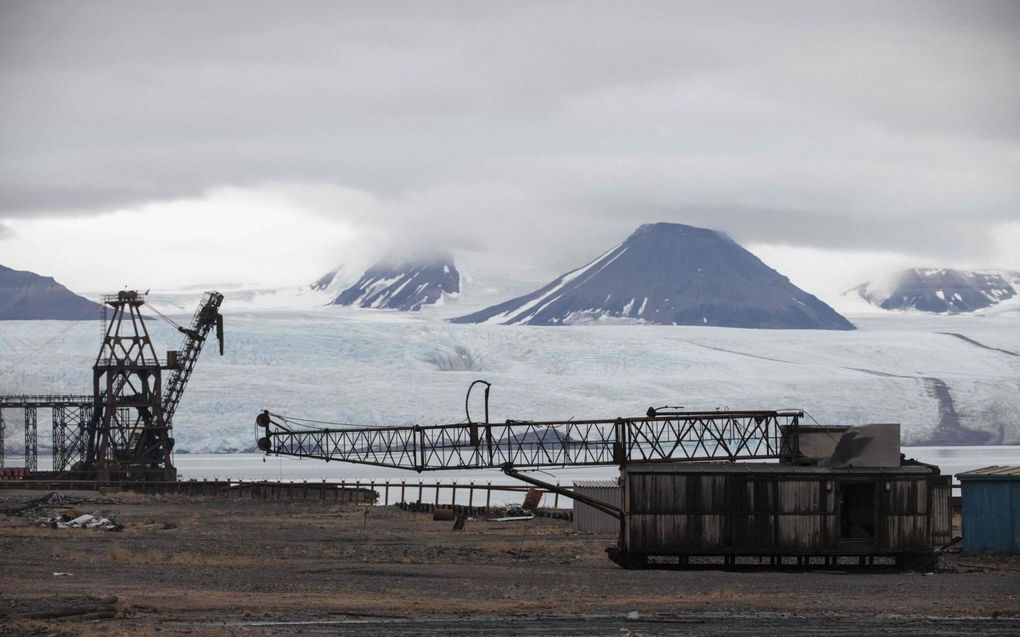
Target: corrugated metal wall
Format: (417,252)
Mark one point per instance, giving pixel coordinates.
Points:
(590,520)
(991,516)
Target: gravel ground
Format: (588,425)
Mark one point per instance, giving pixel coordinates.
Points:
(187,566)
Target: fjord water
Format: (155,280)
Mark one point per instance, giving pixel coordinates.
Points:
(252,466)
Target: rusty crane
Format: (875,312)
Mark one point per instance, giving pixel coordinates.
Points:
(122,431)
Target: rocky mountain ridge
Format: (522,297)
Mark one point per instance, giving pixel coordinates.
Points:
(26,296)
(670,274)
(941,290)
(407,285)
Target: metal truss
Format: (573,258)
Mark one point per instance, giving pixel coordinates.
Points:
(123,428)
(44,400)
(71,414)
(70,427)
(206,317)
(31,440)
(656,437)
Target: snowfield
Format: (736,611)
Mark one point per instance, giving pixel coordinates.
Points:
(947,379)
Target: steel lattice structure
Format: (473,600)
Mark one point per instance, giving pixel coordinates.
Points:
(71,413)
(207,316)
(123,428)
(70,434)
(656,437)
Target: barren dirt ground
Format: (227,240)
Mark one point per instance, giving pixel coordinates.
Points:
(193,566)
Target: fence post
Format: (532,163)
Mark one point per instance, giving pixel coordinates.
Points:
(386,498)
(402,485)
(556,498)
(420,487)
(488,494)
(436,501)
(453,497)
(471,494)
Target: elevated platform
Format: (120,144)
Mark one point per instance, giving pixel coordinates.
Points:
(44,401)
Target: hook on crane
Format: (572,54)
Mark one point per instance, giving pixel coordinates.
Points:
(467,413)
(219,331)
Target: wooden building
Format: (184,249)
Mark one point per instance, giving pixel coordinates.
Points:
(780,510)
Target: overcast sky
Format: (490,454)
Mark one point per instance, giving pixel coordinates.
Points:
(164,144)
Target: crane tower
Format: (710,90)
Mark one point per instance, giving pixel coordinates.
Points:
(129,434)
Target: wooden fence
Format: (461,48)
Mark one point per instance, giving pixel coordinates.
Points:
(468,494)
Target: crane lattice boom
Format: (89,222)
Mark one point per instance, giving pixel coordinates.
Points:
(207,316)
(657,436)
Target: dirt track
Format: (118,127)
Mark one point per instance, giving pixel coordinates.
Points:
(194,566)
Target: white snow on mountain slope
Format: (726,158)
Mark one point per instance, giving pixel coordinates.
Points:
(940,290)
(553,293)
(344,364)
(683,275)
(405,285)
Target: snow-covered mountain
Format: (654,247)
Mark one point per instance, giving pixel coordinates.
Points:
(941,290)
(29,296)
(406,285)
(323,282)
(670,274)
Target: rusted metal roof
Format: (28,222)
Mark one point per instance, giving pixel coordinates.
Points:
(604,484)
(1008,472)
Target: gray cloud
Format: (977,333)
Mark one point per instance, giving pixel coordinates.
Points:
(555,127)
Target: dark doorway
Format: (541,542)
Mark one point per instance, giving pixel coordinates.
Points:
(857,511)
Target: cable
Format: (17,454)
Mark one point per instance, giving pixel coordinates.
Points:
(299,422)
(824,429)
(166,318)
(78,321)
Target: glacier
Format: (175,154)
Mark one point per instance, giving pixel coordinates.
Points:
(940,376)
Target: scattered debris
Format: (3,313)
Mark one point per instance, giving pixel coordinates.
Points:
(54,500)
(85,521)
(532,499)
(512,518)
(62,574)
(36,510)
(515,509)
(514,513)
(443,514)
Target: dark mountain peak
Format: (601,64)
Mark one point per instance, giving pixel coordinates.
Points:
(941,290)
(323,282)
(404,284)
(29,296)
(670,274)
(665,228)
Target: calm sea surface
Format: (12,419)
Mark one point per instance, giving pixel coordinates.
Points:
(251,466)
(248,466)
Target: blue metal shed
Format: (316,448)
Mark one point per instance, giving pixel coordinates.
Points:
(991,510)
